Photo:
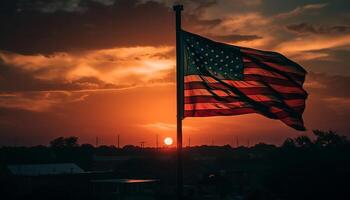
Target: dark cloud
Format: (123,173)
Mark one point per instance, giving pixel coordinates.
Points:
(13,79)
(317,29)
(126,23)
(52,6)
(335,62)
(236,37)
(328,85)
(192,19)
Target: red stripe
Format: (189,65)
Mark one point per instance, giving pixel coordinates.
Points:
(269,80)
(273,57)
(211,99)
(247,90)
(284,68)
(236,111)
(215,106)
(284,92)
(218,112)
(283,116)
(247,78)
(249,66)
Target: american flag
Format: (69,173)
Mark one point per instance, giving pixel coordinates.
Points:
(222,79)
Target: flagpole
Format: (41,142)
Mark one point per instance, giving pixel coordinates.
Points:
(179,98)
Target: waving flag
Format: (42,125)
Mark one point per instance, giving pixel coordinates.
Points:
(222,79)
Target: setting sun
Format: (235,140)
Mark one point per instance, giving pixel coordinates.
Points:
(168,141)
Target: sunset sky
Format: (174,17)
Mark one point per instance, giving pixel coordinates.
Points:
(91,68)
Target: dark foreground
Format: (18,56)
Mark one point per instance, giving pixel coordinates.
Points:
(299,169)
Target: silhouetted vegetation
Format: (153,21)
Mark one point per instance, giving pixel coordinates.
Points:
(301,168)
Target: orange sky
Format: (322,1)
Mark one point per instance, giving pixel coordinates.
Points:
(110,70)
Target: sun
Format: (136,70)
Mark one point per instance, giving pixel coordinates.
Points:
(168,141)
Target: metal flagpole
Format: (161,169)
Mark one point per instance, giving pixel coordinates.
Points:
(179,97)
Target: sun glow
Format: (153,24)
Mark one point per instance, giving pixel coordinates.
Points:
(168,141)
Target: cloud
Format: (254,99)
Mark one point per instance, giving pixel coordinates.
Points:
(302,9)
(40,83)
(99,69)
(296,47)
(236,38)
(53,6)
(303,28)
(328,86)
(39,101)
(99,27)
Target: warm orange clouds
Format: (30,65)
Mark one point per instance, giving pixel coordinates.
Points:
(114,66)
(74,76)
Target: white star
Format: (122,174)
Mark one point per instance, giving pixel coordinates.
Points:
(202,49)
(212,51)
(222,52)
(220,68)
(227,57)
(226,65)
(221,60)
(217,56)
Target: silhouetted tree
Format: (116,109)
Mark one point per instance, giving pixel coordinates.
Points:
(329,138)
(289,143)
(303,141)
(57,143)
(61,142)
(71,141)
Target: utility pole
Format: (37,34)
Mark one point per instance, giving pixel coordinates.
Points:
(142,144)
(118,142)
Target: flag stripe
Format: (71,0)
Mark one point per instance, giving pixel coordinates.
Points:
(273,57)
(245,89)
(211,106)
(274,74)
(248,79)
(215,112)
(262,72)
(234,105)
(212,99)
(202,95)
